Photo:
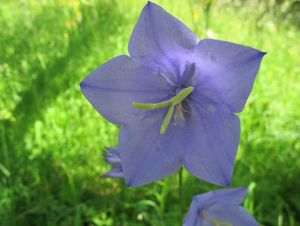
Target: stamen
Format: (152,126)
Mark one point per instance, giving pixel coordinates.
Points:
(171,103)
(179,113)
(188,73)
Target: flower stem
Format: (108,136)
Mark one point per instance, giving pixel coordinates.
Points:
(180,193)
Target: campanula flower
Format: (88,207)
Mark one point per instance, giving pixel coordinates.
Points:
(113,158)
(176,100)
(219,208)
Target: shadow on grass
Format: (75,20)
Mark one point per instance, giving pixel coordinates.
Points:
(50,82)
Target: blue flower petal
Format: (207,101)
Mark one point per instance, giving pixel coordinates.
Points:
(234,215)
(115,85)
(234,196)
(218,206)
(113,158)
(211,140)
(114,173)
(158,38)
(146,155)
(193,218)
(230,69)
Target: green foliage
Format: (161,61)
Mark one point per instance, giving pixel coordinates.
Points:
(52,141)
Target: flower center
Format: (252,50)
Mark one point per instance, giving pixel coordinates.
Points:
(171,103)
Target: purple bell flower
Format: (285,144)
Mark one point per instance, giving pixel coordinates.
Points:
(176,99)
(219,208)
(113,158)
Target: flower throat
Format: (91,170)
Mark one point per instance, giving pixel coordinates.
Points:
(171,103)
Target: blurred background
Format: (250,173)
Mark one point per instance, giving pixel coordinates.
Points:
(52,141)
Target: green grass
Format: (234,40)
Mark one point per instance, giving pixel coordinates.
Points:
(52,141)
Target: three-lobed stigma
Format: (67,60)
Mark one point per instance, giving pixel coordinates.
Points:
(184,93)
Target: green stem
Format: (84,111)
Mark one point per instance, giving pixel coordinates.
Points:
(180,193)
